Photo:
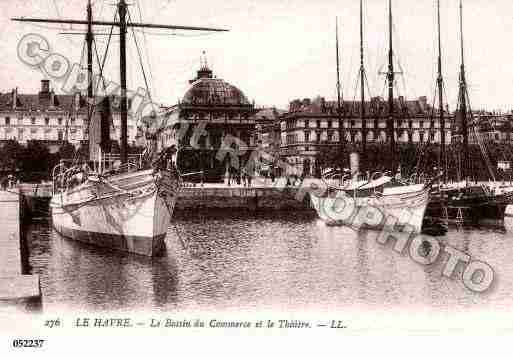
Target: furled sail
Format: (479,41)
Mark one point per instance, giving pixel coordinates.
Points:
(99,130)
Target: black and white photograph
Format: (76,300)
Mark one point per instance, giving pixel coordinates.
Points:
(200,171)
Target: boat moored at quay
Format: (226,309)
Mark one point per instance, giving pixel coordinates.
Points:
(465,202)
(377,201)
(379,204)
(125,206)
(129,211)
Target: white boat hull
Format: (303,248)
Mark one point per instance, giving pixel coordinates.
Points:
(401,209)
(129,212)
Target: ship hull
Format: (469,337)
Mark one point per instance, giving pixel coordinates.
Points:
(128,212)
(401,211)
(469,209)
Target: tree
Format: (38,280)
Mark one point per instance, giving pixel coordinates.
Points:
(10,154)
(35,162)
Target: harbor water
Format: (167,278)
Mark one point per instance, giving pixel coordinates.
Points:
(279,262)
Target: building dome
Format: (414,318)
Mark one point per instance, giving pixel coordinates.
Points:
(214,91)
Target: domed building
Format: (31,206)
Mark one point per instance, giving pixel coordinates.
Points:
(210,110)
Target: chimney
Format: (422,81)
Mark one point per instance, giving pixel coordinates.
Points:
(295,105)
(14,98)
(44,94)
(45,86)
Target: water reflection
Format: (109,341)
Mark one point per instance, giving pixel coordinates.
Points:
(285,262)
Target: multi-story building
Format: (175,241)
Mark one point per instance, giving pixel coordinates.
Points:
(491,127)
(268,133)
(51,118)
(310,125)
(210,110)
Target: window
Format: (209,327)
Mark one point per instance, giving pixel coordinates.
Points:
(421,124)
(329,124)
(47,121)
(7,121)
(410,124)
(318,124)
(33,121)
(352,123)
(72,120)
(330,136)
(307,136)
(421,137)
(432,136)
(59,136)
(59,121)
(376,124)
(307,124)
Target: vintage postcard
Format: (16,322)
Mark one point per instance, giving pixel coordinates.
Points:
(182,172)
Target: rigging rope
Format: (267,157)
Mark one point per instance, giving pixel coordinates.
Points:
(102,65)
(146,50)
(141,64)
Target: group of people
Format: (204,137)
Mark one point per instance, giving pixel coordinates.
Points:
(246,179)
(9,181)
(242,177)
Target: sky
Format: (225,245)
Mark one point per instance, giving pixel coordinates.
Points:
(277,51)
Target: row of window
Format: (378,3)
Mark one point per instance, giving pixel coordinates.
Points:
(46,121)
(21,137)
(423,137)
(291,124)
(35,130)
(292,138)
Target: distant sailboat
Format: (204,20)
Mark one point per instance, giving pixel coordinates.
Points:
(378,202)
(463,202)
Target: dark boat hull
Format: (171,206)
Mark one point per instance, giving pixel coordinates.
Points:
(468,207)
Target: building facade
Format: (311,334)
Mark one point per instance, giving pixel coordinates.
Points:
(268,130)
(210,111)
(51,118)
(313,124)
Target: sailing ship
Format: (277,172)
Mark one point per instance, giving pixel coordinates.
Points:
(128,208)
(374,202)
(463,202)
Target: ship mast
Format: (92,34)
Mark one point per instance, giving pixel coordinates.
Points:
(362,87)
(89,42)
(390,78)
(440,83)
(122,7)
(339,87)
(462,99)
(123,25)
